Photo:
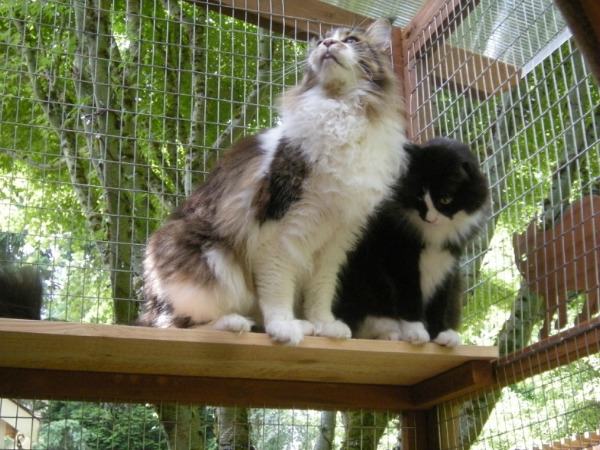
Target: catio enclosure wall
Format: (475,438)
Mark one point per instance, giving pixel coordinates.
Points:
(111,111)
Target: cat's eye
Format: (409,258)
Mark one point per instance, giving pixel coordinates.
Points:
(350,40)
(446,200)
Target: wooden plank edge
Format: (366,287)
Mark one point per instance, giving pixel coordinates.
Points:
(247,340)
(142,388)
(470,377)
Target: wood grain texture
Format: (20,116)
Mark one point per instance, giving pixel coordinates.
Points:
(210,353)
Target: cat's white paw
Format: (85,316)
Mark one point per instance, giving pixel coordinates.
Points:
(289,331)
(233,322)
(414,332)
(335,329)
(449,338)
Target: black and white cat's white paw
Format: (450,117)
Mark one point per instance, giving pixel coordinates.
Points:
(233,322)
(448,338)
(334,329)
(414,332)
(289,331)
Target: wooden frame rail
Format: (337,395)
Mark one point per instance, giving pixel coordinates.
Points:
(42,359)
(556,351)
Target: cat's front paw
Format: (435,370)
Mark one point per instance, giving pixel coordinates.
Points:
(233,322)
(448,338)
(414,332)
(335,329)
(289,331)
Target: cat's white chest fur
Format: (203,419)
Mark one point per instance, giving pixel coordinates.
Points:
(434,265)
(353,160)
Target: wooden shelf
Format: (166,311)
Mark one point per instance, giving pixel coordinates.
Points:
(109,362)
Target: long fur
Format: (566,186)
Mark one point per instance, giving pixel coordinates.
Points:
(402,281)
(264,236)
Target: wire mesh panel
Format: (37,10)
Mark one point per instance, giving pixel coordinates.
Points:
(111,111)
(505,77)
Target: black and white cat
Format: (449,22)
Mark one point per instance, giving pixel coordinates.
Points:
(402,280)
(272,224)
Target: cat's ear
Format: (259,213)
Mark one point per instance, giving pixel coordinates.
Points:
(469,170)
(411,148)
(380,33)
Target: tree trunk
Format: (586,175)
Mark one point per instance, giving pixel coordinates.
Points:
(326,431)
(233,429)
(186,426)
(363,429)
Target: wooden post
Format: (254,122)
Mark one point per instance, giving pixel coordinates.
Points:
(583,18)
(417,433)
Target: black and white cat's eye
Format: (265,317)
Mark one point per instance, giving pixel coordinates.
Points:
(446,200)
(350,40)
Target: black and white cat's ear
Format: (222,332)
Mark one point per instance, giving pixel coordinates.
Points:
(380,33)
(411,148)
(470,170)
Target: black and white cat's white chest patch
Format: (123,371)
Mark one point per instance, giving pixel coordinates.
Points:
(435,264)
(283,184)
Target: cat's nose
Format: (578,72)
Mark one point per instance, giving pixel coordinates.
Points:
(329,42)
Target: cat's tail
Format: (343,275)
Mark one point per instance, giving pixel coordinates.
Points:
(20,293)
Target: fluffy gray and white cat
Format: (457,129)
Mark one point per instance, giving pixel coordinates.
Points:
(263,238)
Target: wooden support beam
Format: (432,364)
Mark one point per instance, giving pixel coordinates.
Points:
(405,82)
(583,18)
(555,351)
(297,19)
(471,377)
(143,388)
(467,71)
(435,21)
(416,434)
(208,366)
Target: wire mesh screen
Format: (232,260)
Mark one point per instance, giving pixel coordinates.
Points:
(111,111)
(506,77)
(78,425)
